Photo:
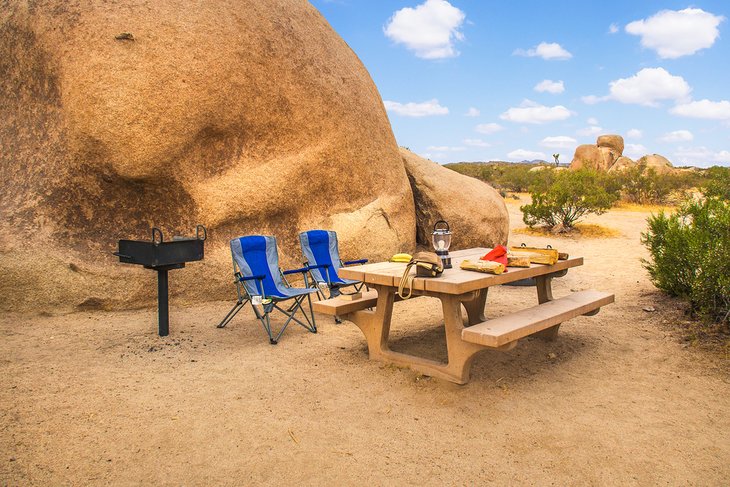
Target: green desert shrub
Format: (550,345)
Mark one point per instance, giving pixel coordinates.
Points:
(717,183)
(690,255)
(564,197)
(643,185)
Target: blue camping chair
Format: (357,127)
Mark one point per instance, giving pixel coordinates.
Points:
(322,258)
(258,277)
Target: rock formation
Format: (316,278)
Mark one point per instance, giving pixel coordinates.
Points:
(659,164)
(475,212)
(622,163)
(606,155)
(246,116)
(593,157)
(615,142)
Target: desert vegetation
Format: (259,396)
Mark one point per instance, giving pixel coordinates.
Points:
(640,184)
(690,250)
(689,246)
(560,199)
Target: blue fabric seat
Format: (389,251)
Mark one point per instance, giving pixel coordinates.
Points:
(257,272)
(322,257)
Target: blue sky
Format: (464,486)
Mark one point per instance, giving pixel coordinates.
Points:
(488,80)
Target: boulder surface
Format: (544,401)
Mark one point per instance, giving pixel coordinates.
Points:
(615,142)
(622,163)
(658,163)
(592,157)
(250,117)
(476,213)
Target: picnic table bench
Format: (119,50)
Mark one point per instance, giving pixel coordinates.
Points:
(372,313)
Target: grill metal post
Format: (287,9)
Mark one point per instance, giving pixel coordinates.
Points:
(163,307)
(163,297)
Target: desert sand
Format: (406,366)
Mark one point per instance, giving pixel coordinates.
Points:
(620,398)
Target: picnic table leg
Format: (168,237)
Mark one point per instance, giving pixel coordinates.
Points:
(375,324)
(475,307)
(461,353)
(545,294)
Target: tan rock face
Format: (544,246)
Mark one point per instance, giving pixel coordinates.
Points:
(615,142)
(622,163)
(593,157)
(475,212)
(658,163)
(246,116)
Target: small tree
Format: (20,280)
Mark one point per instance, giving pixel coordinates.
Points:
(557,159)
(565,197)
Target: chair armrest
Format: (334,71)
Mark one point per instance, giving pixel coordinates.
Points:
(318,266)
(353,262)
(296,271)
(241,278)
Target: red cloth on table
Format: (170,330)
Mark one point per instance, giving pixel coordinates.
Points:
(497,254)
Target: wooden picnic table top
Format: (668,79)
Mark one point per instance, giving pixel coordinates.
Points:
(455,280)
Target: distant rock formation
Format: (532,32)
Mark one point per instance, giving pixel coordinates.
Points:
(593,157)
(476,213)
(622,163)
(248,116)
(615,142)
(658,163)
(607,155)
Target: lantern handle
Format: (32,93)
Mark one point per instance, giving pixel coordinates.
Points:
(440,222)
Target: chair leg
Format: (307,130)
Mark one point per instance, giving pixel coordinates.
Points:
(232,313)
(311,325)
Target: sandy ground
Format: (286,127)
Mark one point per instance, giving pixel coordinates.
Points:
(98,398)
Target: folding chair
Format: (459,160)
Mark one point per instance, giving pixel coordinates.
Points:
(260,281)
(322,257)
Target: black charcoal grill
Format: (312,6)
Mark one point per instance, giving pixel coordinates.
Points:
(161,256)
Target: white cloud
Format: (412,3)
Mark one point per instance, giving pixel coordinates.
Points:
(673,34)
(634,134)
(531,112)
(445,148)
(559,142)
(430,29)
(649,86)
(613,28)
(701,156)
(550,86)
(412,109)
(635,151)
(488,128)
(593,130)
(677,136)
(593,99)
(713,110)
(477,143)
(472,112)
(545,50)
(525,155)
(592,121)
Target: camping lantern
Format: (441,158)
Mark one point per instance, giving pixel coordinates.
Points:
(441,238)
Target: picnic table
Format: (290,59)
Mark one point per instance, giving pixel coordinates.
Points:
(373,312)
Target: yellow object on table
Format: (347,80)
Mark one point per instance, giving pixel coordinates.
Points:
(518,260)
(536,255)
(482,266)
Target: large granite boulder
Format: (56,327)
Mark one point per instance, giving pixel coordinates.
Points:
(622,164)
(593,157)
(658,163)
(615,142)
(475,212)
(246,116)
